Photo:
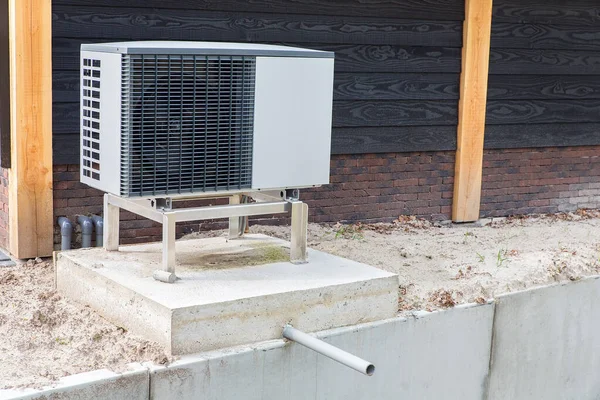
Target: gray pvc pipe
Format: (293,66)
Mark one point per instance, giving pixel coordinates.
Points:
(99,225)
(66,233)
(87,226)
(336,354)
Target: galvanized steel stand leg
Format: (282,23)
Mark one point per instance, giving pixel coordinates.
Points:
(111,225)
(299,227)
(167,274)
(235,225)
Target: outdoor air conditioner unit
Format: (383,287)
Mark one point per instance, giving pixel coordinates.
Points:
(164,119)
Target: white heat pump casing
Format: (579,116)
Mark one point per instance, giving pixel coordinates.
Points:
(292,120)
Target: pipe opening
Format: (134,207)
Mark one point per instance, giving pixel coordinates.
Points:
(370,369)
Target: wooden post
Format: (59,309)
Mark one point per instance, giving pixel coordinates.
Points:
(31,220)
(471,110)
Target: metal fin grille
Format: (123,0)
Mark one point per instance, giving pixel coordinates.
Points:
(187,123)
(90,118)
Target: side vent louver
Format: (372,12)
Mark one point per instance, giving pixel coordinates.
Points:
(91,118)
(186,123)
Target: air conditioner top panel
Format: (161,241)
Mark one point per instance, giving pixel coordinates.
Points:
(205,48)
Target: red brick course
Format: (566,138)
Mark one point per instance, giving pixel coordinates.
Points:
(380,187)
(372,187)
(4,208)
(548,180)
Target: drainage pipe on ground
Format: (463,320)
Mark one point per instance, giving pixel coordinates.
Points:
(339,355)
(86,230)
(66,233)
(99,225)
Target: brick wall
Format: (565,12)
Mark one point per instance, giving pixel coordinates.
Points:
(372,187)
(72,198)
(380,187)
(548,180)
(4,208)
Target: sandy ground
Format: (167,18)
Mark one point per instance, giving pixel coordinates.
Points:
(45,337)
(441,266)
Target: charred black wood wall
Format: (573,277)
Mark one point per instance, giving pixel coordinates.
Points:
(4,87)
(397,61)
(544,87)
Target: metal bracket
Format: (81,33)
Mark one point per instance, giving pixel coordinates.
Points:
(163,204)
(292,194)
(272,195)
(160,210)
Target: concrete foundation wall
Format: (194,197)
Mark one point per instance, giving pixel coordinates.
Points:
(547,343)
(538,344)
(100,384)
(415,358)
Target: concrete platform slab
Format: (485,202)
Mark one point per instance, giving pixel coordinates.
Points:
(230,292)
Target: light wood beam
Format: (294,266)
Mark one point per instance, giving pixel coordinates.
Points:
(30,179)
(471,110)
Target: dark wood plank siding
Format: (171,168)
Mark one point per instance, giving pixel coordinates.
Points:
(4,87)
(544,87)
(445,10)
(397,61)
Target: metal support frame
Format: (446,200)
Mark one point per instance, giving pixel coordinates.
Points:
(299,231)
(235,223)
(160,210)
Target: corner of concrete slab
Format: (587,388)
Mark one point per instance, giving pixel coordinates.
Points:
(148,318)
(6,260)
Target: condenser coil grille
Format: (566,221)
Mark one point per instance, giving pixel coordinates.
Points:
(187,123)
